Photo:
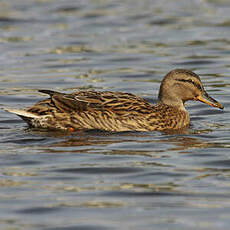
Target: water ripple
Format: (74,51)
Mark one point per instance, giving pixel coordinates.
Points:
(103,180)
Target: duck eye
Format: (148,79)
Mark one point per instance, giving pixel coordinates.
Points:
(197,85)
(186,80)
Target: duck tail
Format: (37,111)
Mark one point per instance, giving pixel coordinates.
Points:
(22,113)
(28,117)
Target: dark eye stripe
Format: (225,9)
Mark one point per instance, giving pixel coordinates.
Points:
(192,82)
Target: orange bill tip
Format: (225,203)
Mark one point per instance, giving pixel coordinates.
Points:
(208,100)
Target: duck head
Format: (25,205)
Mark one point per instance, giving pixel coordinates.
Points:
(181,85)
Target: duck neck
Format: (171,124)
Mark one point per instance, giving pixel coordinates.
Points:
(172,101)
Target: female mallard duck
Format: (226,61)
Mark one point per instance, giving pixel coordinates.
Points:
(116,111)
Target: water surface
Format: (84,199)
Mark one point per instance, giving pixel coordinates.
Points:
(96,180)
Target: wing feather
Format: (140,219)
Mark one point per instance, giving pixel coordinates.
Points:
(117,103)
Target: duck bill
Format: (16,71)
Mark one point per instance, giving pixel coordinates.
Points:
(205,98)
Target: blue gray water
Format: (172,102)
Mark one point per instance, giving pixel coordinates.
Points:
(96,180)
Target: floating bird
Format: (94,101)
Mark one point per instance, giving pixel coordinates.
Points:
(117,111)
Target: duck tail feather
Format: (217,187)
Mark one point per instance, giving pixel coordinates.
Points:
(22,113)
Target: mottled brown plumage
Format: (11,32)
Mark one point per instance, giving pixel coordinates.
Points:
(116,111)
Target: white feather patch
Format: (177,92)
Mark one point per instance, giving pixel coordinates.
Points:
(22,113)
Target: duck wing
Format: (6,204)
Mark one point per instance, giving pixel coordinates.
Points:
(64,102)
(117,103)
